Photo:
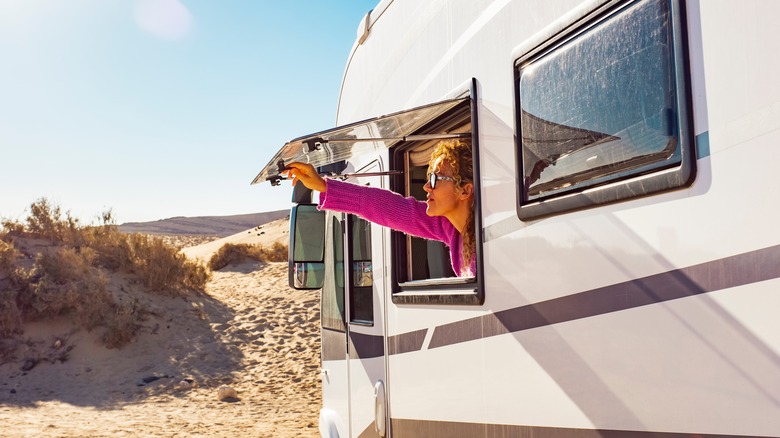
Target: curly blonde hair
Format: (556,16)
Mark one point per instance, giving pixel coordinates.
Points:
(457,153)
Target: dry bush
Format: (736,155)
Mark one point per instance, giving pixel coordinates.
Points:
(122,325)
(11,228)
(8,256)
(65,282)
(10,315)
(159,266)
(234,253)
(46,221)
(163,268)
(112,246)
(71,277)
(229,253)
(276,253)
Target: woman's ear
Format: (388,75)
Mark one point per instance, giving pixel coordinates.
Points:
(467,190)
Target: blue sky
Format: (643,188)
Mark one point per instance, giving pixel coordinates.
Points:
(162,108)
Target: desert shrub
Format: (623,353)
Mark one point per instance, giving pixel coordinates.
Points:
(65,281)
(10,315)
(46,221)
(113,248)
(231,253)
(162,267)
(158,265)
(8,256)
(234,253)
(70,278)
(276,253)
(10,229)
(122,325)
(195,276)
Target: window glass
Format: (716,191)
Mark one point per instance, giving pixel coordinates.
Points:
(308,245)
(427,258)
(361,298)
(601,105)
(333,291)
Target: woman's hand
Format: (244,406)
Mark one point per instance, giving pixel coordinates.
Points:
(306,174)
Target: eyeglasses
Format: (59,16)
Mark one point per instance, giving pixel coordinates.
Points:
(432,178)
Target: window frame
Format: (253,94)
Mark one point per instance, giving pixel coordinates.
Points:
(650,178)
(452,290)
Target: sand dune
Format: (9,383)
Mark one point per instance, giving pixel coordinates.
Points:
(249,331)
(266,234)
(219,226)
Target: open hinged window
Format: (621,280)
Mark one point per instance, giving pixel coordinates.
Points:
(420,270)
(338,144)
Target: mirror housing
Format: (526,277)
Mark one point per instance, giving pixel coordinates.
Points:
(301,194)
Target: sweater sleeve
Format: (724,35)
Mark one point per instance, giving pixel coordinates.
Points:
(386,208)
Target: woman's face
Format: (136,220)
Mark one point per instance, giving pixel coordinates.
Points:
(445,198)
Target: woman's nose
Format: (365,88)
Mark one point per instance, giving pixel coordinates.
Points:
(427,187)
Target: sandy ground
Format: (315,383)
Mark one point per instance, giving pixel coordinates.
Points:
(250,331)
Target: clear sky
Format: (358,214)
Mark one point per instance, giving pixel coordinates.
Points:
(162,108)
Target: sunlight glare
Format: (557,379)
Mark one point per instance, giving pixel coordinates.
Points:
(166,19)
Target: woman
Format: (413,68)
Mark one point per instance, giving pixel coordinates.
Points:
(447,214)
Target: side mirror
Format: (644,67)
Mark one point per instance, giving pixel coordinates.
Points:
(307,247)
(301,194)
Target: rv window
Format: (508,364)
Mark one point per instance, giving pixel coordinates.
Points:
(361,299)
(421,270)
(333,290)
(604,103)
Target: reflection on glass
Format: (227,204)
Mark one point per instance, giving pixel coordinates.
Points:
(363,274)
(309,234)
(308,275)
(602,104)
(391,127)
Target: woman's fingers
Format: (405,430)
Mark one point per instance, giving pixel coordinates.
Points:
(306,174)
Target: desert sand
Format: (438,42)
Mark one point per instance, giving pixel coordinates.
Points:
(249,332)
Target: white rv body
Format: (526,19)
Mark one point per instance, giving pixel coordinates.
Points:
(703,363)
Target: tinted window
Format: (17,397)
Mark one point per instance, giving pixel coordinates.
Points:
(601,105)
(333,287)
(361,298)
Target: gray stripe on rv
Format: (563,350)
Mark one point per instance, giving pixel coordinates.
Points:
(738,270)
(741,269)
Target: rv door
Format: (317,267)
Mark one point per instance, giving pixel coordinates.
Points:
(345,257)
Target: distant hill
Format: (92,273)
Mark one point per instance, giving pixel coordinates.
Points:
(221,226)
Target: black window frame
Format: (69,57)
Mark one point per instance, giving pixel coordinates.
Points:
(450,291)
(650,179)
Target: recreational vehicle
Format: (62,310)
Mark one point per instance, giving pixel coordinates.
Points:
(628,229)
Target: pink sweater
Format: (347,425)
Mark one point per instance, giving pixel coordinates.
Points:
(390,209)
